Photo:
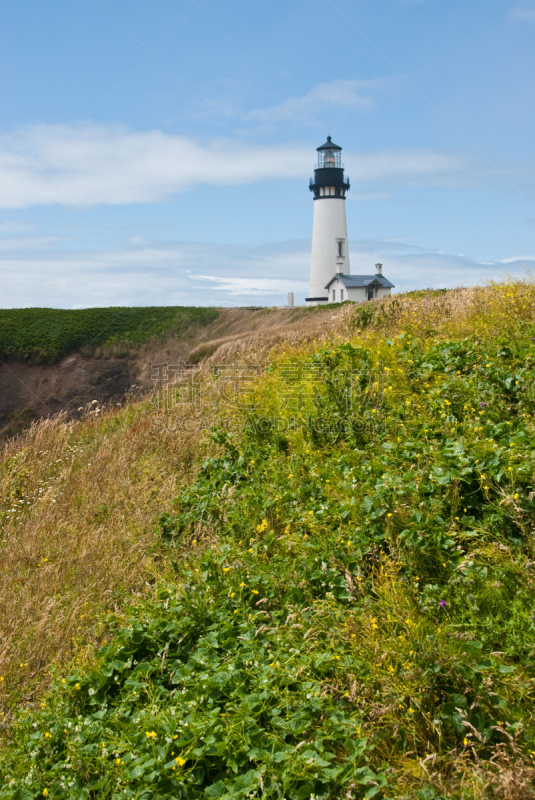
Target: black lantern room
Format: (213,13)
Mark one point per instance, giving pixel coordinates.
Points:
(329,180)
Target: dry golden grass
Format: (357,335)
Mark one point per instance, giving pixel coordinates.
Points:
(79,503)
(78,508)
(475,311)
(260,346)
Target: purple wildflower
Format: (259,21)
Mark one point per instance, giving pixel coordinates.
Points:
(481,405)
(442,603)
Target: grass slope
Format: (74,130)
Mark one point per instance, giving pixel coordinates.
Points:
(47,334)
(352,610)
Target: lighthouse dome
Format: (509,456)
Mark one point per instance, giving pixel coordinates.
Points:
(328,145)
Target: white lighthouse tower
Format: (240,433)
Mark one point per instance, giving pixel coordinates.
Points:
(330,255)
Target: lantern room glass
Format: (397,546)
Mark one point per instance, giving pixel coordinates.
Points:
(329,158)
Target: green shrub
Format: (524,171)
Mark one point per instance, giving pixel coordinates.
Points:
(47,334)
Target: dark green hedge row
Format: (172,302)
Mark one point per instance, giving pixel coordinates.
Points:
(47,334)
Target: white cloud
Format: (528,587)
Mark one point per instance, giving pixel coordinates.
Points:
(411,167)
(151,272)
(253,287)
(522,14)
(14,227)
(514,259)
(367,196)
(111,165)
(339,93)
(29,243)
(100,165)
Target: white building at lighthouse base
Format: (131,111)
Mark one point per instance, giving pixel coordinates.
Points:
(357,288)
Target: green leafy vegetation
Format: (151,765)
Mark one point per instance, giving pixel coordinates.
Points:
(352,612)
(47,334)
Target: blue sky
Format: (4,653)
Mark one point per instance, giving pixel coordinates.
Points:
(159,153)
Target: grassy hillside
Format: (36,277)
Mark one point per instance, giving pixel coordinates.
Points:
(47,334)
(341,601)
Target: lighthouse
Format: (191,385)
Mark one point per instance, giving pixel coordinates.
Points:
(330,277)
(330,253)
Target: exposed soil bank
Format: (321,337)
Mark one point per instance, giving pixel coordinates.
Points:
(30,391)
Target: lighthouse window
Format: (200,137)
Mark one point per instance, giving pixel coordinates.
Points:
(340,243)
(329,158)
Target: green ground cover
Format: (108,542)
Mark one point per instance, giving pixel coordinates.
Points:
(47,334)
(353,611)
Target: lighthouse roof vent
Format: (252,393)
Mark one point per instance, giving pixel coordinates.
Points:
(328,145)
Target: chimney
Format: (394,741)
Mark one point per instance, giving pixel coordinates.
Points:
(378,269)
(290,299)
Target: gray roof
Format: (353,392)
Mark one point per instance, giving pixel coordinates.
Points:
(358,281)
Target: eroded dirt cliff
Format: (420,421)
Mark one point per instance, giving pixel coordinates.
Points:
(31,391)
